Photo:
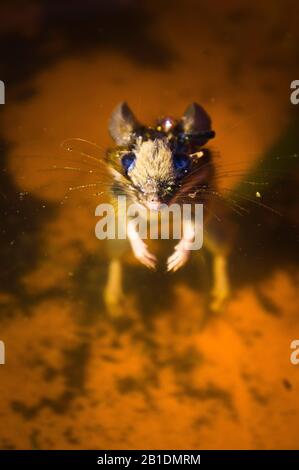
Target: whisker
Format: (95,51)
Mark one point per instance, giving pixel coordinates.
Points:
(258,203)
(75,169)
(256,183)
(94,167)
(66,168)
(229,202)
(210,196)
(83,186)
(79,139)
(83,154)
(235,205)
(86,155)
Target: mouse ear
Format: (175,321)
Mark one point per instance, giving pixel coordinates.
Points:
(197,123)
(122,124)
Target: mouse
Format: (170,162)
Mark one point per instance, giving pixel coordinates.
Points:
(158,165)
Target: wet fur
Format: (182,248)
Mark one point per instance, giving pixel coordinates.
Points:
(154,174)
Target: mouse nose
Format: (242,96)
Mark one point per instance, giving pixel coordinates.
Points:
(153,202)
(153,199)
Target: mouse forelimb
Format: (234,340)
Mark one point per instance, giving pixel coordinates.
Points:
(182,250)
(139,247)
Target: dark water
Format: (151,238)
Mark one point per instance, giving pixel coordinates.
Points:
(168,374)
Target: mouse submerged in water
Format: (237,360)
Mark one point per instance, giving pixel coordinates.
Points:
(166,164)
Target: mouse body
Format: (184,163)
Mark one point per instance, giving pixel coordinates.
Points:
(160,166)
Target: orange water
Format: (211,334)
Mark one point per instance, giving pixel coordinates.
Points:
(167,374)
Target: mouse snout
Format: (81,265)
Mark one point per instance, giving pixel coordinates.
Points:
(151,195)
(153,202)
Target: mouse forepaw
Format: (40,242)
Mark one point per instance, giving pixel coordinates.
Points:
(143,254)
(178,258)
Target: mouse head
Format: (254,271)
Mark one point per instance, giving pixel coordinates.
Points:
(156,161)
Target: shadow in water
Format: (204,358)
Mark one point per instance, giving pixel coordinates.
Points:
(52,31)
(266,241)
(22,217)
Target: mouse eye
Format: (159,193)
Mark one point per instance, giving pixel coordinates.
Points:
(181,161)
(128,161)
